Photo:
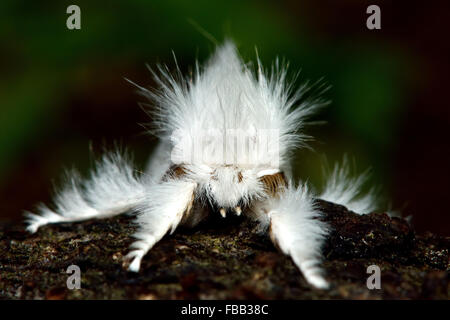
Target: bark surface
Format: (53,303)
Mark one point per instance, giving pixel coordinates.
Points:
(222,259)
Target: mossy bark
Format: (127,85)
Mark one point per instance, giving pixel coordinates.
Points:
(222,259)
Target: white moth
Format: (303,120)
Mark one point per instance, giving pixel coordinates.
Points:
(226,134)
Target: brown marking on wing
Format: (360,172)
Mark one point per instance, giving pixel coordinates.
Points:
(274,183)
(175,171)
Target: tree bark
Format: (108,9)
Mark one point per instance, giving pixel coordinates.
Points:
(223,259)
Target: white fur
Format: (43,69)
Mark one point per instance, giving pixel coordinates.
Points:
(159,162)
(343,189)
(294,224)
(221,187)
(113,188)
(162,211)
(224,94)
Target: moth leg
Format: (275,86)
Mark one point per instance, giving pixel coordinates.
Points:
(291,219)
(167,204)
(112,189)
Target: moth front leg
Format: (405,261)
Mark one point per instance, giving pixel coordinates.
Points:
(292,220)
(168,203)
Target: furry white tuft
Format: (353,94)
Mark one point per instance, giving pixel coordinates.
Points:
(344,189)
(112,189)
(295,228)
(166,204)
(227,94)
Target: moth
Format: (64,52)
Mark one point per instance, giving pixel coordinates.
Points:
(226,136)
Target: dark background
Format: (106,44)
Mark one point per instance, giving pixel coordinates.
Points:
(63,97)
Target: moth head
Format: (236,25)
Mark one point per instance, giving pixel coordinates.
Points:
(232,187)
(229,186)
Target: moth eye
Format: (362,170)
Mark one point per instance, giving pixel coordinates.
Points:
(274,183)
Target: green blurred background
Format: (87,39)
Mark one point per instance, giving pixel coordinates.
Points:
(64,98)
